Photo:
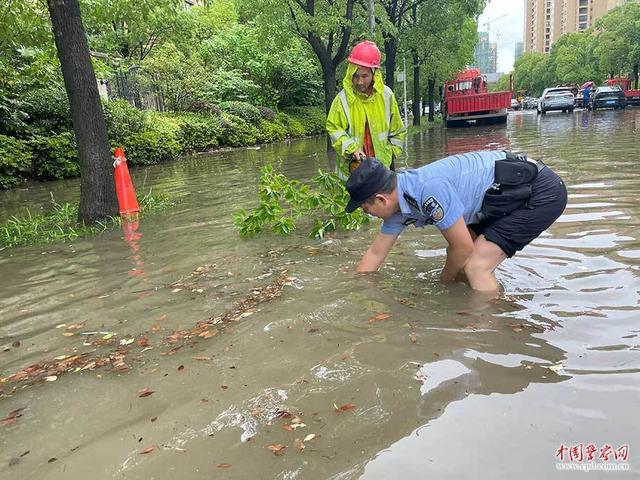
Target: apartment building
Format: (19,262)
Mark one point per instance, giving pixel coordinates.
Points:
(546,20)
(486,54)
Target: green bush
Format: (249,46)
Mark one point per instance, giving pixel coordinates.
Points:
(157,143)
(199,132)
(267,113)
(123,120)
(244,110)
(236,132)
(55,157)
(47,111)
(293,127)
(270,132)
(15,161)
(312,118)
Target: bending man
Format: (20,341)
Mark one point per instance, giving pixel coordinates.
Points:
(488,205)
(364,119)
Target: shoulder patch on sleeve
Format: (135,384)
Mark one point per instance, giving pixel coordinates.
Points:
(410,221)
(411,201)
(432,208)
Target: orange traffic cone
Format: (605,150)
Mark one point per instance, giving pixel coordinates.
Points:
(124,188)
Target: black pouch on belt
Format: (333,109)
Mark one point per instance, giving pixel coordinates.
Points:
(514,176)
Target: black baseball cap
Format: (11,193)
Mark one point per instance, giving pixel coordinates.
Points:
(365,181)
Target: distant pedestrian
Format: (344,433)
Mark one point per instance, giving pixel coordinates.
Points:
(586,96)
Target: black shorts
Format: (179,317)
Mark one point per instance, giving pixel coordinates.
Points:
(516,230)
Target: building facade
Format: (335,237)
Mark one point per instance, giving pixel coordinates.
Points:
(518,50)
(486,54)
(546,20)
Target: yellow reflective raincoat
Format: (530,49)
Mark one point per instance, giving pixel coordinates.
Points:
(351,110)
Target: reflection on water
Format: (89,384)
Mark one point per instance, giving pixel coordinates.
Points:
(448,383)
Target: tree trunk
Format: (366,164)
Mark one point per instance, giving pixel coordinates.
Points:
(329,83)
(431,83)
(390,50)
(635,75)
(97,191)
(415,106)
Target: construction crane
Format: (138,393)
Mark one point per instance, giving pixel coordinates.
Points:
(488,23)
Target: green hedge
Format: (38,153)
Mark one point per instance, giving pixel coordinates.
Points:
(150,137)
(15,161)
(55,157)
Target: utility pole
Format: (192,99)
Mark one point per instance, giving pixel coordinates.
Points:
(372,19)
(404,75)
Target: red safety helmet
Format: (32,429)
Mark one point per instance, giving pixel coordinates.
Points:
(365,54)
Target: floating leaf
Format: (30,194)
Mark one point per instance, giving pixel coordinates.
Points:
(224,387)
(287,427)
(12,416)
(107,336)
(379,317)
(277,449)
(309,437)
(51,378)
(150,449)
(298,425)
(145,392)
(202,358)
(299,444)
(126,341)
(344,408)
(413,337)
(143,342)
(180,368)
(224,465)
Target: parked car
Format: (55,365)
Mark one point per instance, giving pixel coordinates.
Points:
(530,102)
(608,97)
(515,104)
(558,98)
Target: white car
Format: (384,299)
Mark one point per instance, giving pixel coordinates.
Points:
(559,98)
(515,104)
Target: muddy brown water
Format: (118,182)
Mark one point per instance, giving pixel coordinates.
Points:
(451,385)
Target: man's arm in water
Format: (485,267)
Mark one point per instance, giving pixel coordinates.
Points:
(377,252)
(459,250)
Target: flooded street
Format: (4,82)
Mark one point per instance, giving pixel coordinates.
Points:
(445,384)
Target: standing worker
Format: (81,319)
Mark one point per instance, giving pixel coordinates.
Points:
(364,119)
(586,96)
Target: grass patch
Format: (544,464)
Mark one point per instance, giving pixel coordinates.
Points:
(61,225)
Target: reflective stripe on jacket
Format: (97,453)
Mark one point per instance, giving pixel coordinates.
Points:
(349,113)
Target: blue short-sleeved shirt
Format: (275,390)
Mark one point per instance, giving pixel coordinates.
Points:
(443,191)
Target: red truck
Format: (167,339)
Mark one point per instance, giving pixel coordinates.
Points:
(466,98)
(633,96)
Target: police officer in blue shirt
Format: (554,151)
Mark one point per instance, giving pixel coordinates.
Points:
(488,205)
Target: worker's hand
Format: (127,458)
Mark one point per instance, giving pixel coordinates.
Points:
(359,155)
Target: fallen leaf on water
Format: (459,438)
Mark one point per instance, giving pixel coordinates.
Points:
(296,420)
(283,414)
(52,459)
(413,337)
(287,427)
(12,416)
(51,378)
(309,437)
(163,317)
(208,333)
(298,425)
(145,392)
(75,326)
(180,368)
(68,334)
(224,387)
(147,450)
(379,317)
(126,341)
(344,408)
(143,342)
(106,337)
(345,357)
(224,465)
(16,344)
(517,328)
(277,449)
(299,444)
(176,290)
(202,359)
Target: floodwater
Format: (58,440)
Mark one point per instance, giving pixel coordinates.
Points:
(451,384)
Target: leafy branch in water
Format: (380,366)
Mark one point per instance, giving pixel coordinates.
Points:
(285,202)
